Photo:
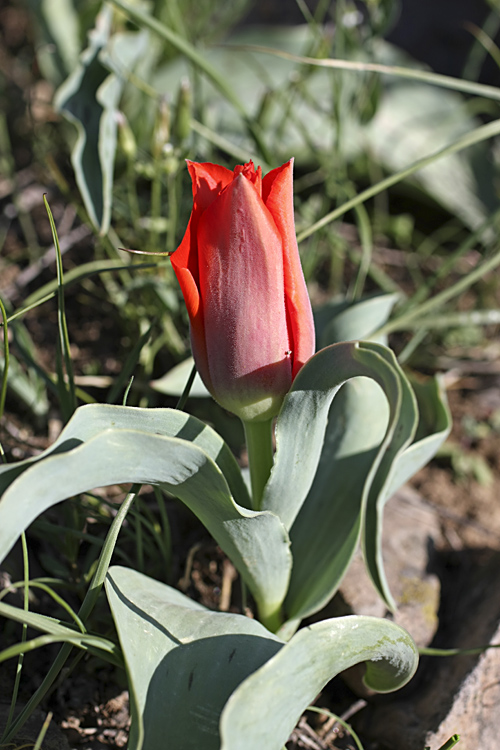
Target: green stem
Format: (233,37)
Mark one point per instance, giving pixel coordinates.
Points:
(155,207)
(259,438)
(5,368)
(271,619)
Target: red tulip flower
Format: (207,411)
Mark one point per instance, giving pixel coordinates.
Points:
(239,270)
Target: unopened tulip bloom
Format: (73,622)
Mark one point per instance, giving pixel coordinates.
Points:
(239,270)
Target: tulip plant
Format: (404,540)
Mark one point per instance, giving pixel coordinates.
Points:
(349,426)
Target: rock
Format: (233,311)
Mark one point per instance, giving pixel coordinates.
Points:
(455,694)
(411,530)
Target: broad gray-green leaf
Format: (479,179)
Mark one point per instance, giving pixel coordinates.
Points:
(357,422)
(347,321)
(257,543)
(412,120)
(58,37)
(302,421)
(262,712)
(350,445)
(89,98)
(27,386)
(88,421)
(347,454)
(183,661)
(433,428)
(187,665)
(326,532)
(174,381)
(415,120)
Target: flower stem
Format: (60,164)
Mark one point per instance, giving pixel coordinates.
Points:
(259,438)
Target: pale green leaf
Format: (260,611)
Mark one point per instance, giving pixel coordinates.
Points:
(89,98)
(257,543)
(174,381)
(414,120)
(305,413)
(356,426)
(57,30)
(263,711)
(183,661)
(345,321)
(326,532)
(350,447)
(433,428)
(187,666)
(92,419)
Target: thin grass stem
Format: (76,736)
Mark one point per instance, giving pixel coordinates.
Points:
(476,136)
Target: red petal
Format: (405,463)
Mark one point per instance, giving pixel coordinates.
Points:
(208,181)
(277,194)
(241,281)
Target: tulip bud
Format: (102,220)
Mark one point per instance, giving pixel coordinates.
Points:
(181,128)
(239,270)
(126,137)
(161,132)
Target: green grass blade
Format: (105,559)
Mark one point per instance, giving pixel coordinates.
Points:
(67,385)
(145,20)
(95,644)
(43,732)
(340,721)
(87,606)
(423,76)
(55,596)
(6,357)
(94,268)
(409,317)
(19,669)
(479,134)
(121,382)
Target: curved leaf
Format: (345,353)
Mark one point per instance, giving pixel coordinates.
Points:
(344,461)
(305,413)
(347,321)
(183,661)
(326,532)
(187,666)
(174,381)
(257,543)
(264,709)
(89,98)
(433,428)
(92,419)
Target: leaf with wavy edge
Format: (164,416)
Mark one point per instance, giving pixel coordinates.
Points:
(304,414)
(89,98)
(92,419)
(256,542)
(433,429)
(188,667)
(264,709)
(356,426)
(328,523)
